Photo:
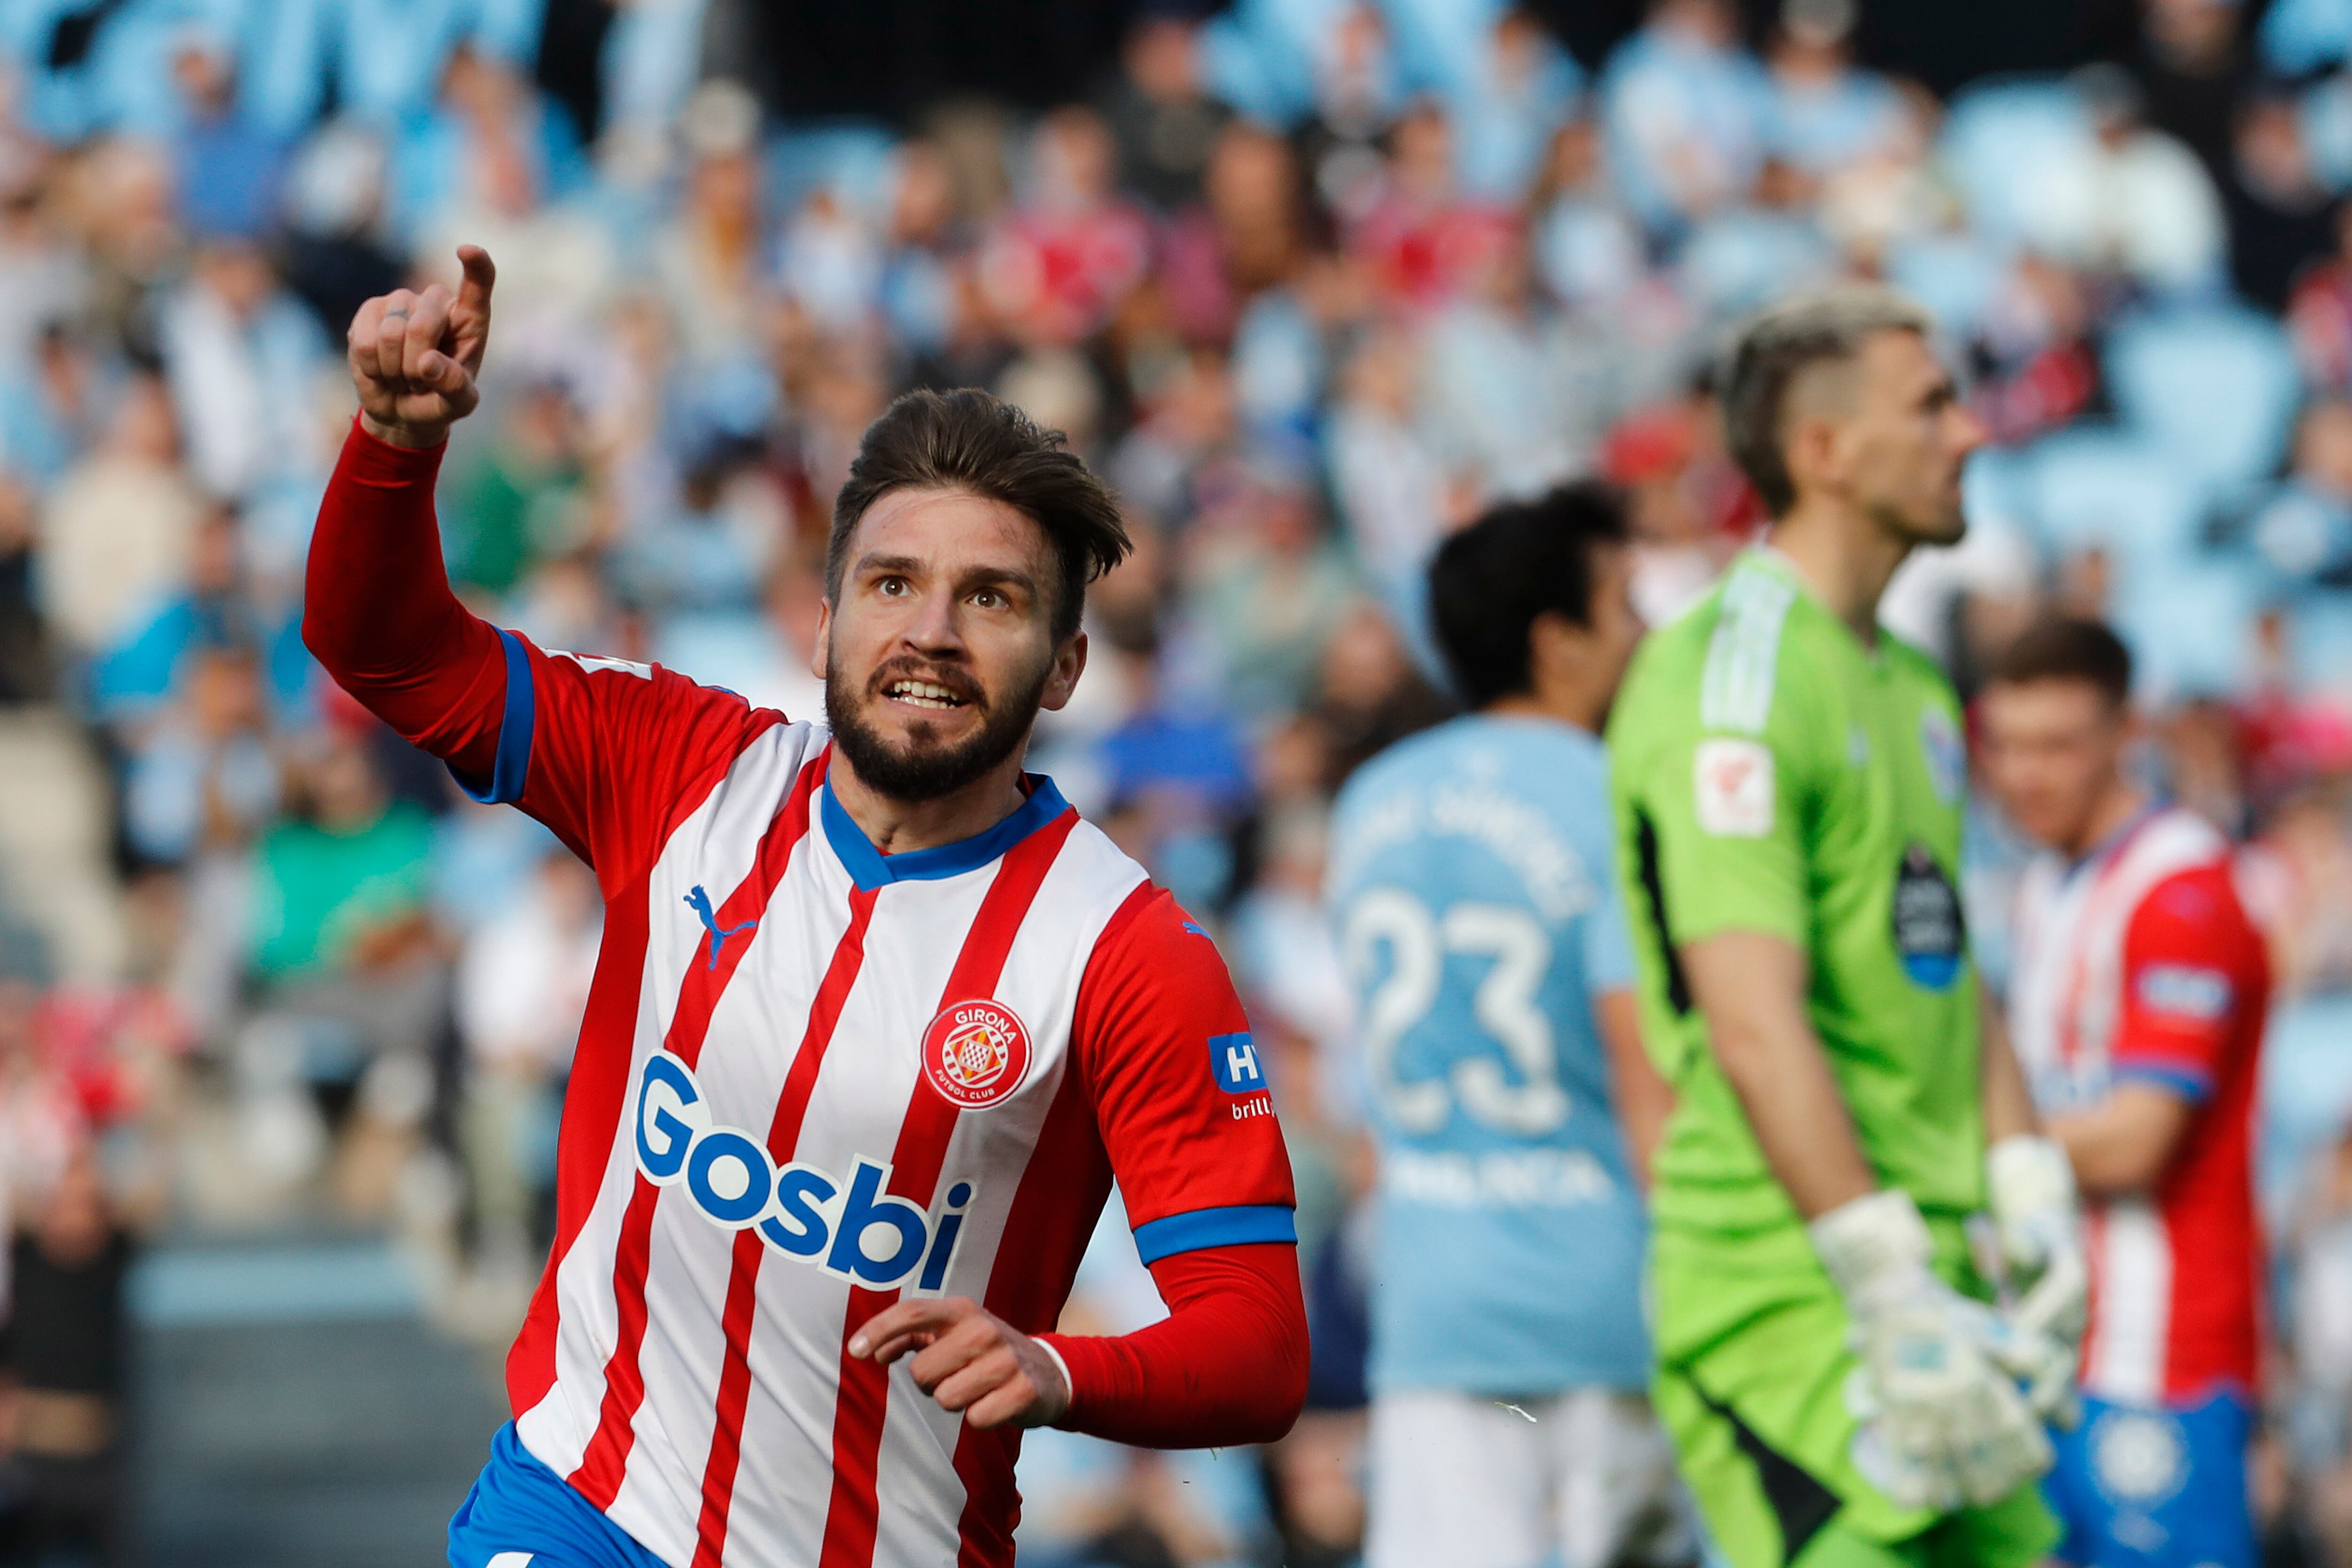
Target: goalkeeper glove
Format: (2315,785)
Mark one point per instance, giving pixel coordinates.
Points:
(1941,1423)
(2030,1184)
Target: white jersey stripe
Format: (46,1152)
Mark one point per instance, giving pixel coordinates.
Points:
(2135,1307)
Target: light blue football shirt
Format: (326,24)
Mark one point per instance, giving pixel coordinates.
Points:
(1471,883)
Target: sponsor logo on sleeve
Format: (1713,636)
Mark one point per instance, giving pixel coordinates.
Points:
(1734,788)
(2184,990)
(1234,1062)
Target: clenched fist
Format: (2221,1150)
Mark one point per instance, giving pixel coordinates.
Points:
(969,1359)
(415,356)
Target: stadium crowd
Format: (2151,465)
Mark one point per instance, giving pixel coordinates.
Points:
(1311,281)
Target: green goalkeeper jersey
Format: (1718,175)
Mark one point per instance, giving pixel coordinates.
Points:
(1771,773)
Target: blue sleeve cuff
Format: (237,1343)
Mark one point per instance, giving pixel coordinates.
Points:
(1215,1228)
(513,765)
(2188,1083)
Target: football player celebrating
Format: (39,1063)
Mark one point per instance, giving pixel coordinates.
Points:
(1474,880)
(1789,781)
(876,1022)
(2138,1006)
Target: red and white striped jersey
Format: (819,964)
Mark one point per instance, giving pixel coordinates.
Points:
(2140,962)
(814,1078)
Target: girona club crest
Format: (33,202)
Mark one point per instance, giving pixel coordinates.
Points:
(976,1054)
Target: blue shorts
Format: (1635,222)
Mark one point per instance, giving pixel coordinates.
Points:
(521,1514)
(2155,1487)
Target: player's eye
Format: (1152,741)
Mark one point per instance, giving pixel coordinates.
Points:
(892,586)
(990,599)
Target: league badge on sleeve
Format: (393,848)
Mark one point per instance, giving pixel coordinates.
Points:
(1734,788)
(976,1054)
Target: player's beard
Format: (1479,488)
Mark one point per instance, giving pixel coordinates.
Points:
(929,769)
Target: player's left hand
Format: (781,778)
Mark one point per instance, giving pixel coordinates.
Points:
(2030,1187)
(969,1359)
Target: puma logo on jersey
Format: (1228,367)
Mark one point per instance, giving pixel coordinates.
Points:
(850,1226)
(699,902)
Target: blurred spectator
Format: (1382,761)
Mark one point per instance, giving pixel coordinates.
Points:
(708,252)
(518,502)
(1514,391)
(66,1355)
(229,167)
(118,528)
(345,958)
(2304,532)
(522,989)
(2136,205)
(1164,122)
(1270,588)
(1423,243)
(243,356)
(1684,112)
(1826,115)
(1520,88)
(2280,214)
(2319,310)
(2192,66)
(1064,258)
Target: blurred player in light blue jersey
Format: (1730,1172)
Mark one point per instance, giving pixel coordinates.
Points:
(1473,884)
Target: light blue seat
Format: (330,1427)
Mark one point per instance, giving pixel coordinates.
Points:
(2111,489)
(2189,617)
(2305,1096)
(1998,135)
(2320,638)
(2214,387)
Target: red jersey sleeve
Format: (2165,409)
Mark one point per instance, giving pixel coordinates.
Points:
(1178,1091)
(607,754)
(2193,967)
(1227,1365)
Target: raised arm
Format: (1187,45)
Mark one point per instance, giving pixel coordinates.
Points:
(377,609)
(610,754)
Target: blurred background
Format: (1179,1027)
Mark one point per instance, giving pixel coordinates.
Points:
(284,1022)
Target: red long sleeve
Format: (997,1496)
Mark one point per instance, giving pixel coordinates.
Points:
(378,612)
(1228,1366)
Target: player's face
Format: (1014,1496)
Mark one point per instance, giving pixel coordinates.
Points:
(1616,625)
(1909,440)
(939,649)
(2052,750)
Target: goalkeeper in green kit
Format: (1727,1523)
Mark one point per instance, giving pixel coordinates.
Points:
(1848,1383)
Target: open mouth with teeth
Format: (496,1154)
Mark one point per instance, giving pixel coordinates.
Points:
(924,694)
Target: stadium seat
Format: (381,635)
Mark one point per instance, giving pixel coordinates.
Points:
(2319,639)
(2112,490)
(1999,137)
(2306,1094)
(2213,387)
(2189,615)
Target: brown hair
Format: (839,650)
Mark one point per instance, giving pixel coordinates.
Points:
(969,440)
(2066,648)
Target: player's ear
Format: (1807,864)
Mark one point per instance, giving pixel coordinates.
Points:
(1069,663)
(822,640)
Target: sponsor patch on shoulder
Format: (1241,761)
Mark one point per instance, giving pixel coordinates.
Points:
(1734,788)
(2184,990)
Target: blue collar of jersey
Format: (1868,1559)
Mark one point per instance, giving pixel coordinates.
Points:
(870,868)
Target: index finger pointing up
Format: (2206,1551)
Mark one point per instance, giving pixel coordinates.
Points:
(481,276)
